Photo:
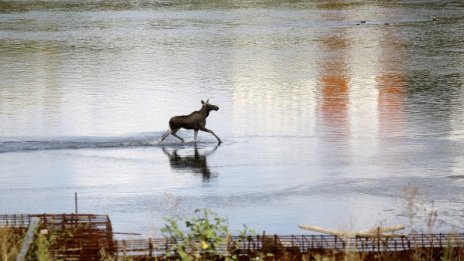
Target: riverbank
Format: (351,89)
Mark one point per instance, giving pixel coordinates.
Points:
(91,237)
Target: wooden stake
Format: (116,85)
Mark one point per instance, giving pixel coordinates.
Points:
(75,202)
(28,239)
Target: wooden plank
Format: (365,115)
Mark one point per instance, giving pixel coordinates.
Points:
(28,239)
(374,232)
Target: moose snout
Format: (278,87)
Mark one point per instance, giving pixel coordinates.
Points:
(216,108)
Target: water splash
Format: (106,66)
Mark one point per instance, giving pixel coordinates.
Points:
(79,142)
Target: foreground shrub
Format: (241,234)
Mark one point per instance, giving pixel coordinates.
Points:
(204,236)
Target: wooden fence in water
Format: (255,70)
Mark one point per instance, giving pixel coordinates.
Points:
(303,244)
(86,236)
(75,236)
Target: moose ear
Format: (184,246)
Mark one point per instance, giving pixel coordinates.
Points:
(202,102)
(207,101)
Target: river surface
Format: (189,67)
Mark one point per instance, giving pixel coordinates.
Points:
(339,114)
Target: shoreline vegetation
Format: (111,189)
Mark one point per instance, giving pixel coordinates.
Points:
(206,236)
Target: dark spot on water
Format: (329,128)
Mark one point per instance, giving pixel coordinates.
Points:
(456,177)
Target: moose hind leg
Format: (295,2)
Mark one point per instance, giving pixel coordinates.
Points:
(212,132)
(175,135)
(195,134)
(165,135)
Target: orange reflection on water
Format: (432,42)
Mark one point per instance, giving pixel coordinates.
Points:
(390,102)
(334,86)
(391,85)
(334,103)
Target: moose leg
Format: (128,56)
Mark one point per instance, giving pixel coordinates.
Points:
(210,131)
(175,135)
(165,135)
(195,134)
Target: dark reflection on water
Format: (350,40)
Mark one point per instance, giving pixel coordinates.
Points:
(192,162)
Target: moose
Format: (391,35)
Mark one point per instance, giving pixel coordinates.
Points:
(195,120)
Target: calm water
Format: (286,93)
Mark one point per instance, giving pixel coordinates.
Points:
(325,120)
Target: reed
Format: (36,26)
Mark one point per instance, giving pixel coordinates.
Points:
(11,239)
(10,243)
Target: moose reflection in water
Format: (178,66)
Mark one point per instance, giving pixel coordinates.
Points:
(196,163)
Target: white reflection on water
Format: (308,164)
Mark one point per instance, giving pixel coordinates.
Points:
(324,120)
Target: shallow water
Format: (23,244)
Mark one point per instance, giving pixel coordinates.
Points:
(326,120)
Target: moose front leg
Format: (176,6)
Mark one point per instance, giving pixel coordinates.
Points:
(212,132)
(195,134)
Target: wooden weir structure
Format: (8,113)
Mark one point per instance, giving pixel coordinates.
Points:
(87,236)
(304,243)
(76,236)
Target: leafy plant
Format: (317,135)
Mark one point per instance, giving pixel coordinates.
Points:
(244,239)
(175,238)
(205,234)
(43,245)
